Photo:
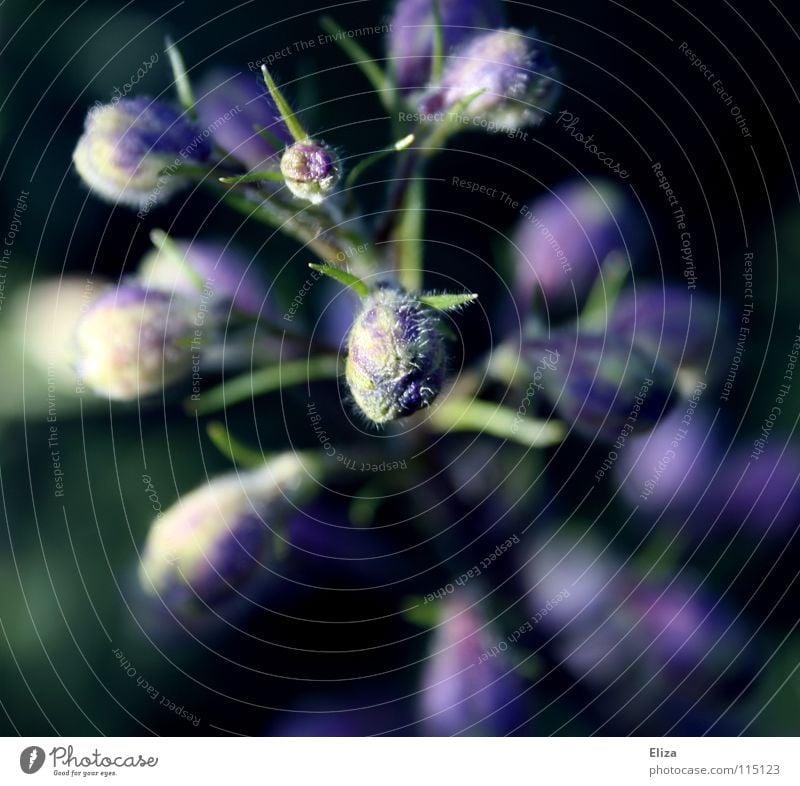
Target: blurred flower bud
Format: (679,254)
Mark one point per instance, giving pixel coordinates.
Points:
(469,683)
(213,539)
(131,151)
(758,487)
(650,648)
(412,36)
(225,271)
(672,323)
(670,468)
(46,317)
(513,71)
(237,106)
(601,388)
(133,343)
(565,236)
(396,356)
(311,170)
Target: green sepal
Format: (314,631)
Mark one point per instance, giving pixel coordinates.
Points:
(292,123)
(343,277)
(182,84)
(447,302)
(166,245)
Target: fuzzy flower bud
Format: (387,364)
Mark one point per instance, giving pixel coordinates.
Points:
(411,40)
(396,356)
(514,73)
(237,106)
(599,386)
(469,684)
(214,538)
(311,170)
(127,145)
(133,343)
(228,273)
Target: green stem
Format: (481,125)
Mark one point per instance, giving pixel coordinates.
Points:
(457,414)
(266,380)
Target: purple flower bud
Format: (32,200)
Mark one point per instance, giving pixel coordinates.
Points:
(469,683)
(207,545)
(236,106)
(761,493)
(603,389)
(565,236)
(411,41)
(311,170)
(225,272)
(131,342)
(513,71)
(131,151)
(672,323)
(670,468)
(642,642)
(396,356)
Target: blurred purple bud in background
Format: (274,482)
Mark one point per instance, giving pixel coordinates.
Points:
(132,342)
(601,388)
(469,683)
(225,271)
(672,323)
(514,73)
(413,30)
(132,151)
(670,469)
(758,487)
(565,237)
(212,540)
(235,106)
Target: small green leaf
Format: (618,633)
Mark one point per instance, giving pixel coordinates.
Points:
(182,84)
(252,177)
(292,123)
(447,302)
(419,613)
(613,274)
(343,277)
(166,245)
(360,58)
(266,380)
(229,446)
